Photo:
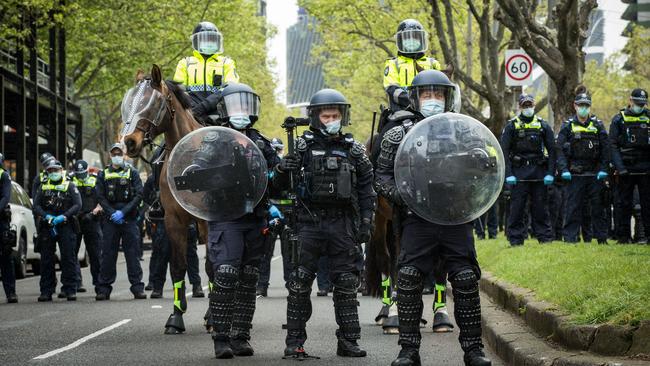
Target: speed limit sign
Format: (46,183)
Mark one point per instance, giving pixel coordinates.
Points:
(519,68)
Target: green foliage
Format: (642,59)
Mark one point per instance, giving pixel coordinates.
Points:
(593,283)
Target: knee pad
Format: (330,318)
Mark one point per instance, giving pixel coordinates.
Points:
(347,283)
(249,276)
(226,276)
(300,280)
(465,280)
(409,278)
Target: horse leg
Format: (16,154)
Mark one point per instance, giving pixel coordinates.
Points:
(177,231)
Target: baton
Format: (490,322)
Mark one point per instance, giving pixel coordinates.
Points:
(372,131)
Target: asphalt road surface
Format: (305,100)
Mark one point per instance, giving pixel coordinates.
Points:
(124,331)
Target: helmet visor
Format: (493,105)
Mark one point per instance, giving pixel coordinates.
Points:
(243,103)
(330,111)
(142,102)
(207,42)
(427,92)
(412,41)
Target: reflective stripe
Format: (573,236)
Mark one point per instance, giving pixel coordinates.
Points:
(576,127)
(88,182)
(534,125)
(634,119)
(117,175)
(61,187)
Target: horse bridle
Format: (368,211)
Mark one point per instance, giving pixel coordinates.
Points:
(171,111)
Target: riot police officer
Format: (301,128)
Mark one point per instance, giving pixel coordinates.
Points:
(206,70)
(582,160)
(422,240)
(235,246)
(630,145)
(336,215)
(7,240)
(411,39)
(57,202)
(525,140)
(119,191)
(88,217)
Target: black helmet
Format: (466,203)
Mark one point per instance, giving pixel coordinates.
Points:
(411,37)
(432,81)
(53,164)
(277,144)
(206,39)
(327,99)
(236,100)
(80,167)
(45,158)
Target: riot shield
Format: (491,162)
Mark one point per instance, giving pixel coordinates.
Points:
(217,173)
(449,169)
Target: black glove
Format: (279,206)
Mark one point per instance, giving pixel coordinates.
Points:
(205,107)
(365,230)
(289,163)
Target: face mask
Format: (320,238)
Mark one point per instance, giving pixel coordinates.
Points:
(636,109)
(583,111)
(117,160)
(81,176)
(209,48)
(332,128)
(240,122)
(528,112)
(431,107)
(411,45)
(54,176)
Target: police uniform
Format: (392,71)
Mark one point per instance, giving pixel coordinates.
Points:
(89,224)
(119,189)
(583,149)
(7,269)
(203,76)
(399,73)
(335,190)
(524,141)
(235,249)
(422,241)
(630,148)
(57,198)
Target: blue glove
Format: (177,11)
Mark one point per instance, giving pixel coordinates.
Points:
(117,217)
(548,180)
(601,175)
(275,213)
(511,180)
(49,218)
(566,176)
(57,220)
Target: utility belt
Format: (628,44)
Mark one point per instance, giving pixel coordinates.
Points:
(315,215)
(73,222)
(519,161)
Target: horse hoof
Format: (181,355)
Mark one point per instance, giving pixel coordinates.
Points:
(175,324)
(172,331)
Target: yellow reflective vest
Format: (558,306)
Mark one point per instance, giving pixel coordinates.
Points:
(400,71)
(199,74)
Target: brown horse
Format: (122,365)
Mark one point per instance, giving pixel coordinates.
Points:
(176,122)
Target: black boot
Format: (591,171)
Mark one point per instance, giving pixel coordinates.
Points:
(12,298)
(241,347)
(349,348)
(222,346)
(476,357)
(197,291)
(243,311)
(408,356)
(156,294)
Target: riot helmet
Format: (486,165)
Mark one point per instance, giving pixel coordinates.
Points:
(238,105)
(206,39)
(411,37)
(431,93)
(328,105)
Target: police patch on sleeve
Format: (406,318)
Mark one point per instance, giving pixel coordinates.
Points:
(301,144)
(357,149)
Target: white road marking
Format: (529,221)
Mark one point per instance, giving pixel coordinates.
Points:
(276,258)
(156,306)
(83,340)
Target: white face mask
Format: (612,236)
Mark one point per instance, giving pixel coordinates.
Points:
(332,128)
(432,107)
(528,112)
(240,122)
(636,109)
(117,160)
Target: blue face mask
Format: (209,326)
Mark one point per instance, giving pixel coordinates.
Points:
(412,45)
(636,109)
(117,160)
(583,112)
(432,107)
(332,128)
(54,176)
(81,176)
(209,48)
(528,112)
(240,122)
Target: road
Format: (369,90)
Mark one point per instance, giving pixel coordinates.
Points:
(124,331)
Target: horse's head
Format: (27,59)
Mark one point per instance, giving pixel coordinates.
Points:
(147,109)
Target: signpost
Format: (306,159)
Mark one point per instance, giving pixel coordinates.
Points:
(519,68)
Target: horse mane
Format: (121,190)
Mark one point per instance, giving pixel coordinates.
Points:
(179,92)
